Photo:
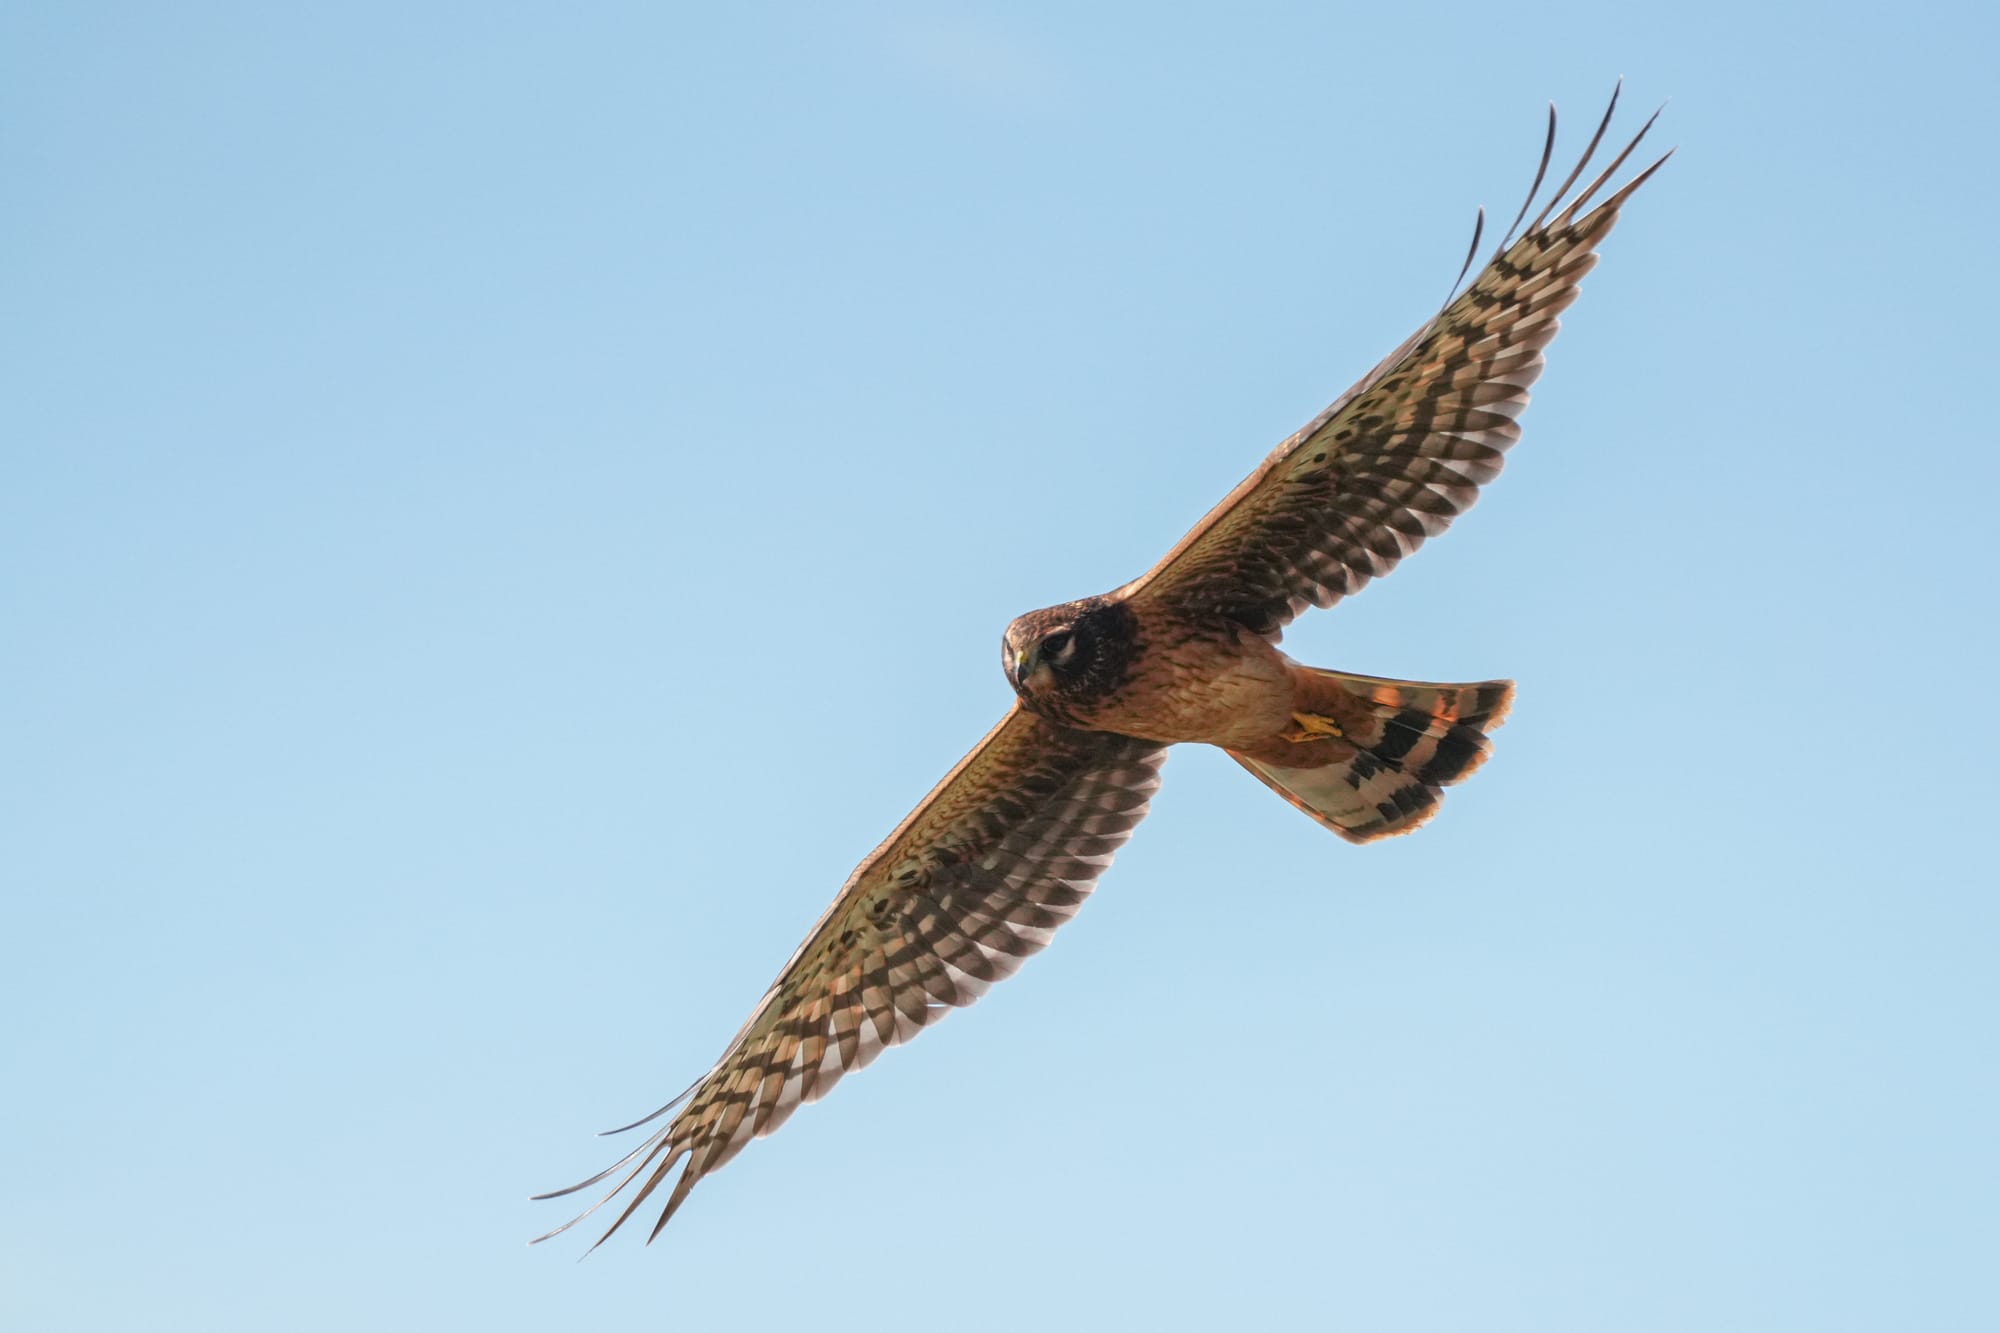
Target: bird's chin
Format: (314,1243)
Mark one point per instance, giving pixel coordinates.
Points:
(1034,689)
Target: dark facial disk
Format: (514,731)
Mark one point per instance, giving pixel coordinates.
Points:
(1066,658)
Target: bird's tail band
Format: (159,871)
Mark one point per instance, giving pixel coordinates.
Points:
(1368,757)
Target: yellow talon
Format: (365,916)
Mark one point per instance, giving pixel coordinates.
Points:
(1312,727)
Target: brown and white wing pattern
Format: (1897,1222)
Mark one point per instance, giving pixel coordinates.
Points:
(1405,451)
(1001,853)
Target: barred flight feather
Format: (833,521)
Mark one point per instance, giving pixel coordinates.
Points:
(1000,855)
(1404,452)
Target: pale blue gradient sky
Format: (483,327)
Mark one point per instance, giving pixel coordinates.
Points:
(505,505)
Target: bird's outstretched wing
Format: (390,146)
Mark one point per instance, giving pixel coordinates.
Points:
(1002,852)
(1402,453)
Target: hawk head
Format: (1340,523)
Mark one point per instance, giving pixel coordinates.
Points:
(1065,660)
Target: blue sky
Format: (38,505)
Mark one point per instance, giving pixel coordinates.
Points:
(506,504)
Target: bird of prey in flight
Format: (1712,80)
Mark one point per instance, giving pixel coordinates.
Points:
(1006,848)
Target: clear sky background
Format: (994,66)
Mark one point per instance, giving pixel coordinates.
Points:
(504,505)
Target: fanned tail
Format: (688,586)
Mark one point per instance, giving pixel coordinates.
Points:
(1368,757)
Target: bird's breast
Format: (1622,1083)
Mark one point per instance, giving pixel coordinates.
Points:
(1208,681)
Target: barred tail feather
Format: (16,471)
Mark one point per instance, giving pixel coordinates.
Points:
(1368,757)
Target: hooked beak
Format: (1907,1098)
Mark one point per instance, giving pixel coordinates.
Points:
(1021,666)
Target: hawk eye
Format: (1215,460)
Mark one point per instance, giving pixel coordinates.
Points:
(1056,647)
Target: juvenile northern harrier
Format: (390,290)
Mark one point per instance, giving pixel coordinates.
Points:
(1006,848)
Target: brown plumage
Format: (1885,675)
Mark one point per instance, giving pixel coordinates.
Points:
(1007,846)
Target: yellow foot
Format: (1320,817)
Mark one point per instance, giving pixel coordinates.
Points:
(1310,727)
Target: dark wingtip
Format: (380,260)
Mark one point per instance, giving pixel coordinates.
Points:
(676,1100)
(1471,253)
(1624,192)
(586,1184)
(1589,151)
(1541,174)
(682,1188)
